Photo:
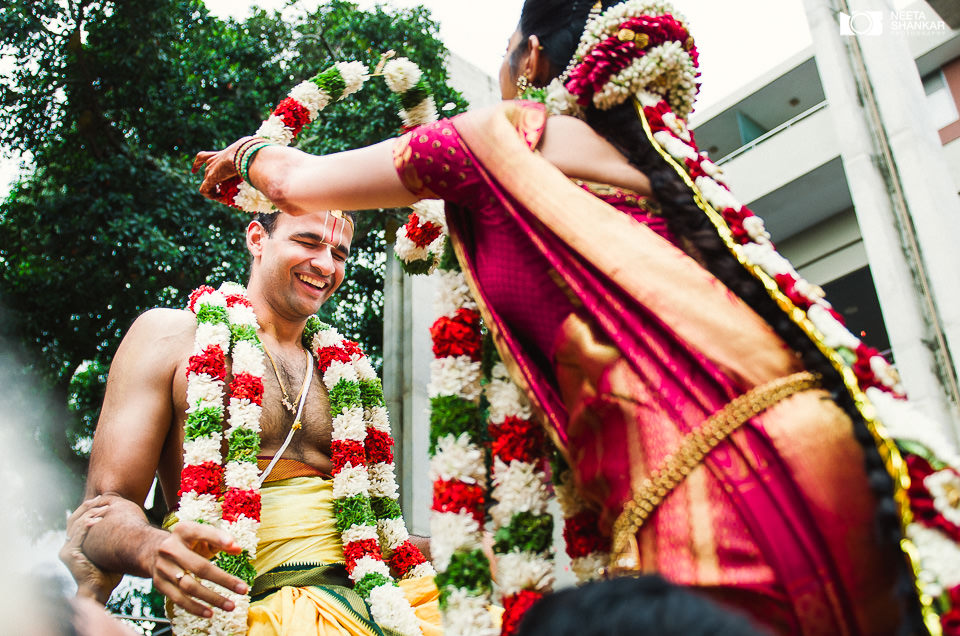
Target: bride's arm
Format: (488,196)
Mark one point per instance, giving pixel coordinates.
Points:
(298,182)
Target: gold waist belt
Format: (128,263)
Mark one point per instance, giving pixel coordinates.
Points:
(694,447)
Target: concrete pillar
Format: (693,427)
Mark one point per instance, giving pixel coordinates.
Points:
(903,194)
(407,352)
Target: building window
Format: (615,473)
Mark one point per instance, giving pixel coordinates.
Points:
(940,100)
(855,297)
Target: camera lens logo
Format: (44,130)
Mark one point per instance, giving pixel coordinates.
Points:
(861,23)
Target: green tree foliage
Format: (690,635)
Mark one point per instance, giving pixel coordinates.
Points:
(111,100)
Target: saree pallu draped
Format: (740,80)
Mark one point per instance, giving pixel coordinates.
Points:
(778,519)
(302,587)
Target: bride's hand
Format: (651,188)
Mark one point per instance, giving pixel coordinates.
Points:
(218,168)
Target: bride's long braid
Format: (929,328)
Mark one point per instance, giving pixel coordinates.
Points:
(558,25)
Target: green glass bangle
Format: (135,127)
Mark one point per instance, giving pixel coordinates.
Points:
(248,159)
(241,151)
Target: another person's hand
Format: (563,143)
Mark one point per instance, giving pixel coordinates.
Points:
(92,582)
(218,168)
(182,560)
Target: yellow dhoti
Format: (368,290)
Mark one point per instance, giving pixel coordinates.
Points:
(302,588)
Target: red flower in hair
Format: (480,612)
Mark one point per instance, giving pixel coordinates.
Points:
(863,370)
(196,294)
(203,479)
(516,439)
(514,607)
(406,557)
(921,500)
(422,234)
(788,285)
(210,361)
(356,550)
(458,335)
(378,446)
(456,496)
(294,115)
(346,451)
(247,387)
(328,355)
(241,502)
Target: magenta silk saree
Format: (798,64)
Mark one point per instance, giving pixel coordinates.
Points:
(625,344)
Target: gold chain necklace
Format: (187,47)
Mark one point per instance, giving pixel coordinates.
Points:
(287,404)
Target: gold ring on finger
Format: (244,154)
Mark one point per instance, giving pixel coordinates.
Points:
(180,575)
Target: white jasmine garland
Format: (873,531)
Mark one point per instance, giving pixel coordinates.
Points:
(366,565)
(570,502)
(938,556)
(560,101)
(432,211)
(241,314)
(518,571)
(452,532)
(467,615)
(674,146)
(212,298)
(505,397)
(245,414)
(350,481)
(677,125)
(716,195)
(358,533)
(212,333)
(354,74)
(383,482)
(249,199)
(311,97)
(202,449)
(204,391)
(377,418)
(364,369)
(391,609)
(518,487)
(942,485)
(401,74)
(203,508)
(273,130)
(756,230)
(588,568)
(233,622)
(886,373)
(455,376)
(392,532)
(407,249)
(245,475)
(424,111)
(452,293)
(905,421)
(424,569)
(712,169)
(247,358)
(834,334)
(767,259)
(326,338)
(339,371)
(350,425)
(244,530)
(458,458)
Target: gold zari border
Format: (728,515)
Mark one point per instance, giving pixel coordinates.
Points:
(693,449)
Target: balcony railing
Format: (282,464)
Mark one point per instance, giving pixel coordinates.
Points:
(775,131)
